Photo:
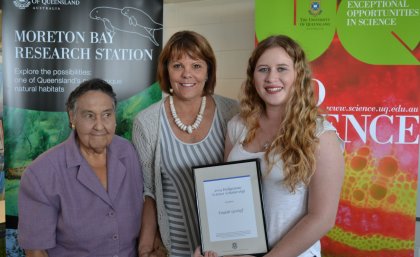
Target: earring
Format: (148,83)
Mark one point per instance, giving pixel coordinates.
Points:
(73,126)
(171,90)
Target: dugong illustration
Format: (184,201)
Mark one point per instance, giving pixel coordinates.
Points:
(142,20)
(128,19)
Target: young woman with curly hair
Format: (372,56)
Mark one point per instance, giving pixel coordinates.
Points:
(301,154)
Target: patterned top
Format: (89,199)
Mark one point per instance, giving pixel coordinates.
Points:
(178,185)
(146,138)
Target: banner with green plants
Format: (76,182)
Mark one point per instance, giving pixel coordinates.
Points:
(49,48)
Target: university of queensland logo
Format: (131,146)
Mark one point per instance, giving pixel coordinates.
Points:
(315,8)
(22,4)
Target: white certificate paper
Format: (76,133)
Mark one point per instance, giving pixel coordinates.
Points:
(230,208)
(231,214)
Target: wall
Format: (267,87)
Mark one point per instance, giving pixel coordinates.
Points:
(229,27)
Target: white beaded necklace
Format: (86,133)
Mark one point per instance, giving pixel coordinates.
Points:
(178,122)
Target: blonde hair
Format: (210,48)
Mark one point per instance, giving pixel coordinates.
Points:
(295,141)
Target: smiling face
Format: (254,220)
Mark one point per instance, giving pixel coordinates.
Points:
(187,77)
(94,120)
(274,76)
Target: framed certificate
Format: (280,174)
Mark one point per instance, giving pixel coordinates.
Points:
(230,208)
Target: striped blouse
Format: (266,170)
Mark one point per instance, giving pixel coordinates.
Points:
(177,179)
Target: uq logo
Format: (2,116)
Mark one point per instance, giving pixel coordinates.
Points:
(315,8)
(22,4)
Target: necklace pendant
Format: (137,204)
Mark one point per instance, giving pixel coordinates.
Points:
(189,129)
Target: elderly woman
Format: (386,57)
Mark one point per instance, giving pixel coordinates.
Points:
(185,129)
(84,196)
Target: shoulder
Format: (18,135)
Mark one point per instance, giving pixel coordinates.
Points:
(48,166)
(150,112)
(121,145)
(123,150)
(236,128)
(236,124)
(225,101)
(236,121)
(323,126)
(227,107)
(147,121)
(53,155)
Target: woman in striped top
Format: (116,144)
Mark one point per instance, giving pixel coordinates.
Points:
(184,129)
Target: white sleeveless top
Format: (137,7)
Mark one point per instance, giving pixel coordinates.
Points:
(282,209)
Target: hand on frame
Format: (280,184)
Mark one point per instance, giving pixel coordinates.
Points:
(197,253)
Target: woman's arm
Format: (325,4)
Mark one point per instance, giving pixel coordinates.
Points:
(144,138)
(149,226)
(36,253)
(324,195)
(228,146)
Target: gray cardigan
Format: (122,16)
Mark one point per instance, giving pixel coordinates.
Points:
(146,137)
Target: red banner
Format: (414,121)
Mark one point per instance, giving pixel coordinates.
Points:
(365,61)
